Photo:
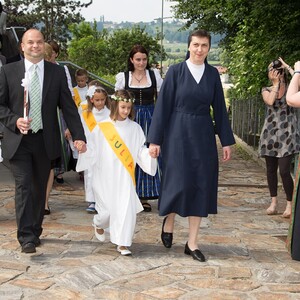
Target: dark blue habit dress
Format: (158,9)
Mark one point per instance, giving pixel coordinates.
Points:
(183,127)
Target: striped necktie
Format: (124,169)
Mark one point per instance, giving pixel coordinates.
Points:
(35,101)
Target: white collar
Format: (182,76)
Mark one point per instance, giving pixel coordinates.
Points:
(29,64)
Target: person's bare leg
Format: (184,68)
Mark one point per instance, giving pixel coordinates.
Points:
(272,209)
(288,210)
(49,187)
(169,224)
(194,226)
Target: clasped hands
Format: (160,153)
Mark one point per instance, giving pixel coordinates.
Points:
(80,146)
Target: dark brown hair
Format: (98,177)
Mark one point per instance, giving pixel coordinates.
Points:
(54,46)
(200,33)
(135,49)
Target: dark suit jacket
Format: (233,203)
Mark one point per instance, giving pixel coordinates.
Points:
(3,59)
(55,93)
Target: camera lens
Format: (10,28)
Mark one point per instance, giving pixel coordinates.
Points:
(276,64)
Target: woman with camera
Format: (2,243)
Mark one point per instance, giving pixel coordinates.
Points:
(279,139)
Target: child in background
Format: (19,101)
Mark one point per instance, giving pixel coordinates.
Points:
(92,111)
(113,151)
(81,77)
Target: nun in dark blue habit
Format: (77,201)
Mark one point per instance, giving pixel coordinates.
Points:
(182,130)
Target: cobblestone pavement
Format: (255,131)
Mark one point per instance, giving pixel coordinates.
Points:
(245,249)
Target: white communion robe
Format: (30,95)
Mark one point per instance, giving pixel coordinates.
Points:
(117,202)
(99,115)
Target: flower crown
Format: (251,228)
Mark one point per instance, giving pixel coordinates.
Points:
(119,98)
(92,89)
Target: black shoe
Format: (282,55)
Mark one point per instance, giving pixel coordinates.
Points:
(47,211)
(146,206)
(37,242)
(166,237)
(28,248)
(59,180)
(196,254)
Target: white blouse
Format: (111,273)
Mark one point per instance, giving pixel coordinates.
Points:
(120,80)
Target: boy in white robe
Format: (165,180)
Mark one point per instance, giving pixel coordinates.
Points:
(112,153)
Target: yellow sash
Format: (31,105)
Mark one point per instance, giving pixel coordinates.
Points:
(119,147)
(89,119)
(77,98)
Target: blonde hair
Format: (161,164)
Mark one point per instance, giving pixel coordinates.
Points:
(99,90)
(48,52)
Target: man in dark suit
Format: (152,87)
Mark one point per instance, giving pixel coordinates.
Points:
(29,148)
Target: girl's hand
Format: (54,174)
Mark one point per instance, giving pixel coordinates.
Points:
(154,150)
(80,146)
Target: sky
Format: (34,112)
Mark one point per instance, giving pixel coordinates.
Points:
(127,10)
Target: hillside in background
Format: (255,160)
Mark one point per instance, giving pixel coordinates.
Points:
(171,29)
(174,42)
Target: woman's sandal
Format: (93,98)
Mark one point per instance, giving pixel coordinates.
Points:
(147,207)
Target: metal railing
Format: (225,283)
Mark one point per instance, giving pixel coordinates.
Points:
(247,119)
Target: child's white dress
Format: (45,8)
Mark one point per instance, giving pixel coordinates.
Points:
(99,116)
(117,202)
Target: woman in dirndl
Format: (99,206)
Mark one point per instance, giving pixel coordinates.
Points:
(144,83)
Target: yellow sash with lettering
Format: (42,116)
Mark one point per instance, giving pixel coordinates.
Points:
(89,119)
(119,147)
(77,98)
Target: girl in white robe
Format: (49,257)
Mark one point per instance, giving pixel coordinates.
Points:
(93,110)
(113,179)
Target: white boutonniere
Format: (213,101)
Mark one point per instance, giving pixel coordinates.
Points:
(25,81)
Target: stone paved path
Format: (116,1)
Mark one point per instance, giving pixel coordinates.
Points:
(245,249)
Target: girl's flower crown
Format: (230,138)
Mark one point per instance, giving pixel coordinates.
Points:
(92,89)
(119,98)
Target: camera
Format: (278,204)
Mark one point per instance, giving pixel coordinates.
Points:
(277,65)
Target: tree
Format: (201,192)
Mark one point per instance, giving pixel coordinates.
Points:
(106,54)
(88,47)
(255,33)
(121,41)
(51,16)
(18,14)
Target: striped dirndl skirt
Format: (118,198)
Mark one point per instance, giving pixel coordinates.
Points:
(147,187)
